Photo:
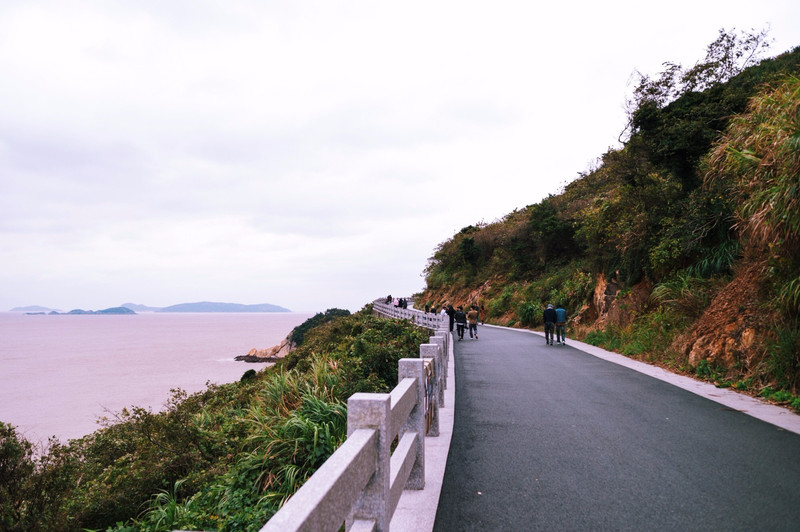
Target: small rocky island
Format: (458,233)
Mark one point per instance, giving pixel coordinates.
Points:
(112,310)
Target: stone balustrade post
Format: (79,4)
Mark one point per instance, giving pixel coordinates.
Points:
(433,350)
(441,340)
(437,395)
(373,411)
(414,368)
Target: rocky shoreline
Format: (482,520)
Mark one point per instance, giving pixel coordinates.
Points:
(273,354)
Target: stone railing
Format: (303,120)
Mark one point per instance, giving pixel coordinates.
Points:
(425,319)
(360,484)
(437,322)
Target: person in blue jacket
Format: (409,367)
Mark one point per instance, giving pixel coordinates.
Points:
(561,323)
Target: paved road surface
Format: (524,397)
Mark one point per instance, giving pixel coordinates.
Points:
(551,438)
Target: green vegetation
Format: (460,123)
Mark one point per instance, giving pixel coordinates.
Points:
(298,333)
(759,161)
(681,248)
(224,459)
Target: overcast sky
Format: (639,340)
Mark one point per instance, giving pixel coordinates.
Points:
(308,154)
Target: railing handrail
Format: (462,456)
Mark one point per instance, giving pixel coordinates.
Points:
(351,465)
(362,481)
(427,319)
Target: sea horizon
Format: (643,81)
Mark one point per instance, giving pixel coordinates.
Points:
(62,373)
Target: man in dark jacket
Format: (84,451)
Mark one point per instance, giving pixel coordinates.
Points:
(451,313)
(549,316)
(461,322)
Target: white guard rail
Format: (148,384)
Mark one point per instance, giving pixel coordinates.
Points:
(360,484)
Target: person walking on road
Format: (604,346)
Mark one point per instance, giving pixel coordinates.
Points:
(549,316)
(461,322)
(472,319)
(451,313)
(561,322)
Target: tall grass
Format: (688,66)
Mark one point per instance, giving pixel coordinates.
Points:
(783,358)
(716,260)
(683,292)
(760,157)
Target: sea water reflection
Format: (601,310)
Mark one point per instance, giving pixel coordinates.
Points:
(58,374)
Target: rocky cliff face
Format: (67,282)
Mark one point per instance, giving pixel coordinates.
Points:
(727,332)
(272,354)
(611,306)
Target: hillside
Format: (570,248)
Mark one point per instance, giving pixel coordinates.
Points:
(681,248)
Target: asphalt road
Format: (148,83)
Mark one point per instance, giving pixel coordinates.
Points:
(551,438)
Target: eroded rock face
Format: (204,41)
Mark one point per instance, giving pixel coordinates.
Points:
(724,346)
(605,293)
(586,316)
(271,354)
(609,307)
(727,331)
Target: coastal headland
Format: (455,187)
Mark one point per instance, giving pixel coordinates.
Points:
(272,354)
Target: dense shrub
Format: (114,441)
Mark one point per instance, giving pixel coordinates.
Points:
(298,334)
(33,484)
(16,469)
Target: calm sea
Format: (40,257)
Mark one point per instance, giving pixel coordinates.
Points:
(59,374)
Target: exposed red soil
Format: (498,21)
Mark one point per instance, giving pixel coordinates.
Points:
(728,330)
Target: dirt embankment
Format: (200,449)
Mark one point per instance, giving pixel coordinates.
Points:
(465,297)
(728,333)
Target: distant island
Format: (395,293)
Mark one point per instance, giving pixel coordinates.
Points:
(208,306)
(140,308)
(34,308)
(112,310)
(133,308)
